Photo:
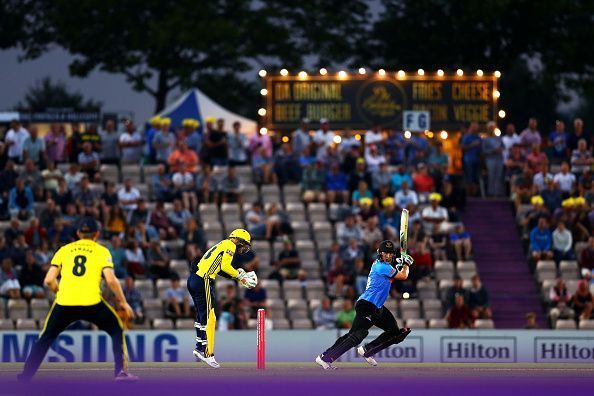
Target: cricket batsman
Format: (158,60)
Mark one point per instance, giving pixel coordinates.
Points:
(370,310)
(201,286)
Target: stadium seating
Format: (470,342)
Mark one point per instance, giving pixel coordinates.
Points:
(565,324)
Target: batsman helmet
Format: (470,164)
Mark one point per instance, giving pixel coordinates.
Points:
(387,247)
(242,235)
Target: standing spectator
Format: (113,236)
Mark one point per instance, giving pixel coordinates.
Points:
(55,143)
(346,316)
(394,147)
(9,283)
(560,298)
(20,201)
(130,144)
(216,143)
(374,159)
(434,215)
(323,139)
(578,133)
(31,278)
(260,148)
(231,187)
(324,316)
(176,297)
(530,136)
(92,136)
(478,300)
(286,165)
(34,147)
(336,185)
(300,137)
(163,142)
(462,243)
(492,148)
(74,143)
(149,135)
(454,199)
(510,140)
(89,162)
(110,148)
(183,160)
(238,144)
(541,241)
(581,158)
(192,136)
(471,149)
(562,243)
(558,143)
(460,315)
(565,180)
(128,196)
(582,301)
(15,139)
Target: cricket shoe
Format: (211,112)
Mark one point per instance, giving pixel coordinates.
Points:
(368,359)
(325,365)
(125,377)
(208,360)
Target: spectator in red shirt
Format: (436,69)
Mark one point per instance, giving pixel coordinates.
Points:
(536,158)
(160,221)
(423,260)
(422,181)
(459,316)
(35,233)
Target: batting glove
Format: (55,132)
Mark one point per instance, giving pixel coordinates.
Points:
(405,259)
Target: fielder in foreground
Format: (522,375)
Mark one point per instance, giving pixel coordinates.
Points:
(370,310)
(201,286)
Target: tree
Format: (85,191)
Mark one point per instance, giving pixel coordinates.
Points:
(159,46)
(46,94)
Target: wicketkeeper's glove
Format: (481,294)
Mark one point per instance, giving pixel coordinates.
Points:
(247,279)
(403,260)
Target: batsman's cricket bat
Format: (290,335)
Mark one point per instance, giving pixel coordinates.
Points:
(404,231)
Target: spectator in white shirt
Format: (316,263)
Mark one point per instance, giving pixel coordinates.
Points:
(565,180)
(434,215)
(374,136)
(581,158)
(128,196)
(405,197)
(374,159)
(510,139)
(15,140)
(323,138)
(538,181)
(562,243)
(131,144)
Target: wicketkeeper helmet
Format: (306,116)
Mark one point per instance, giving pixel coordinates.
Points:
(241,234)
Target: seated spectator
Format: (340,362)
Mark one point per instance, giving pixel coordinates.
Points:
(351,253)
(13,231)
(313,178)
(336,186)
(86,200)
(531,321)
(184,189)
(256,221)
(522,187)
(118,257)
(452,291)
(565,180)
(9,283)
(33,179)
(371,232)
(128,196)
(360,273)
(405,197)
(20,201)
(581,158)
(536,159)
(331,256)
(382,179)
(176,297)
(348,230)
(60,233)
(434,215)
(551,195)
(260,148)
(134,299)
(358,174)
(416,234)
(399,178)
(178,216)
(538,180)
(438,245)
(73,177)
(89,162)
(422,181)
(135,260)
(289,264)
(582,301)
(478,300)
(63,196)
(162,185)
(460,239)
(141,214)
(279,222)
(366,210)
(560,299)
(558,143)
(115,221)
(35,233)
(346,316)
(207,186)
(71,217)
(562,243)
(51,177)
(530,219)
(109,197)
(514,165)
(182,159)
(324,316)
(256,298)
(389,218)
(286,165)
(43,255)
(158,261)
(541,241)
(230,187)
(423,260)
(19,250)
(374,159)
(31,278)
(338,280)
(194,240)
(459,315)
(361,192)
(587,255)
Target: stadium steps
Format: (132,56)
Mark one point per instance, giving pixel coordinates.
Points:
(501,263)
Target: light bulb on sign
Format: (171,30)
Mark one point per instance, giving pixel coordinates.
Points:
(337,139)
(302,74)
(421,72)
(405,295)
(284,72)
(381,72)
(479,73)
(407,134)
(497,73)
(497,132)
(262,73)
(342,74)
(501,113)
(362,70)
(263,131)
(323,71)
(262,112)
(496,94)
(459,72)
(440,73)
(443,135)
(401,74)
(285,139)
(263,92)
(357,137)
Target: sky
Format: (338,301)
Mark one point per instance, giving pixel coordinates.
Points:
(111,89)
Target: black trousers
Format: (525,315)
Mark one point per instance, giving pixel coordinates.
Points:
(203,293)
(367,315)
(61,316)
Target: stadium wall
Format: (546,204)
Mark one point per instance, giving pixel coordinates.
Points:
(447,346)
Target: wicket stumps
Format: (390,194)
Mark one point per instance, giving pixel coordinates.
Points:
(261,342)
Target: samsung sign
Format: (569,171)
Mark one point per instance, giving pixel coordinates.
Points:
(432,346)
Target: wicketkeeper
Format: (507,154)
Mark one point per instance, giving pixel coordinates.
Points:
(201,286)
(370,310)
